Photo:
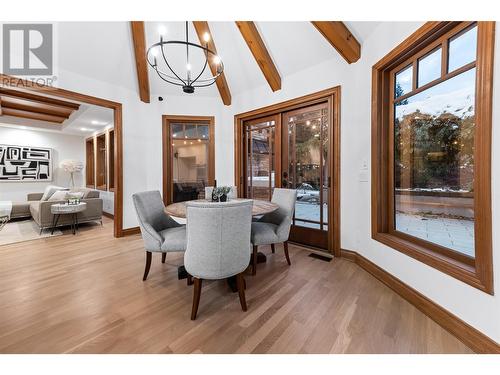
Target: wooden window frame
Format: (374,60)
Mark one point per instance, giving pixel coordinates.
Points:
(333,97)
(166,154)
(478,271)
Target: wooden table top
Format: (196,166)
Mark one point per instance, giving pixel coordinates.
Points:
(259,207)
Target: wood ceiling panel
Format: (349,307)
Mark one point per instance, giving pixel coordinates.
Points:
(32,115)
(260,53)
(35,107)
(141,64)
(339,36)
(201,28)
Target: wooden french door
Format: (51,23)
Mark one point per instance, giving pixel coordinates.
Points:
(291,149)
(188,157)
(305,168)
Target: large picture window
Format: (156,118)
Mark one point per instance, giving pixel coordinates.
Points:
(431,149)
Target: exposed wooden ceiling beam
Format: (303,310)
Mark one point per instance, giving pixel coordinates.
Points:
(33,106)
(201,28)
(32,115)
(339,36)
(259,51)
(139,40)
(38,98)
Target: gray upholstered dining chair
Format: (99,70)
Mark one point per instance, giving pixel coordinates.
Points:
(274,227)
(232,194)
(160,232)
(218,244)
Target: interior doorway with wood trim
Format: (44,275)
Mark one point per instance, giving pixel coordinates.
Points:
(114,182)
(295,145)
(188,145)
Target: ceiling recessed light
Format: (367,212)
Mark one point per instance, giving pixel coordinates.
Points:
(84,129)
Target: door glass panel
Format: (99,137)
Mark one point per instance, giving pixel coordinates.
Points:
(429,67)
(260,159)
(307,168)
(190,155)
(462,49)
(434,164)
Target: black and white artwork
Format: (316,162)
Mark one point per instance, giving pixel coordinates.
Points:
(25,163)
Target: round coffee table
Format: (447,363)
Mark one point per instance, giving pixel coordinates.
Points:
(59,209)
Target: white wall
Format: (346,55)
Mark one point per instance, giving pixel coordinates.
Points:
(471,305)
(64,147)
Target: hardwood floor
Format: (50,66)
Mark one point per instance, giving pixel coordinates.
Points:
(85,294)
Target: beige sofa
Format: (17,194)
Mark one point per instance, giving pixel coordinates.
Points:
(40,210)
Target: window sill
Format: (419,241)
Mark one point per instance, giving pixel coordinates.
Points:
(462,271)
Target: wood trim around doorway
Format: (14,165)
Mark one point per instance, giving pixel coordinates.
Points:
(332,96)
(9,81)
(166,157)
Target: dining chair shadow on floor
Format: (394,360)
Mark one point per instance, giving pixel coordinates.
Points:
(218,244)
(160,233)
(274,227)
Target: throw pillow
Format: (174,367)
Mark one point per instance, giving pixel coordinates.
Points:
(49,190)
(60,195)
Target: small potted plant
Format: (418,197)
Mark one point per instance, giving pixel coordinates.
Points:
(220,194)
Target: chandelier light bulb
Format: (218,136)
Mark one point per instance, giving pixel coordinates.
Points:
(154,51)
(217,59)
(188,66)
(206,37)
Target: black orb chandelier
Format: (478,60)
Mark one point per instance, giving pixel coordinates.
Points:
(184,79)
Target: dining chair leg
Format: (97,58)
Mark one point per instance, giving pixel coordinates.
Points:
(196,297)
(240,282)
(272,248)
(285,248)
(163,257)
(189,280)
(148,265)
(254,260)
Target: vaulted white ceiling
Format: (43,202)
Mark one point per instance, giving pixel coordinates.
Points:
(103,51)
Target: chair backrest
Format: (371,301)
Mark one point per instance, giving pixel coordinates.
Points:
(152,217)
(218,238)
(285,199)
(232,194)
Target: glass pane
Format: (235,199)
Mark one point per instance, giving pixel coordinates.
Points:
(434,164)
(203,132)
(190,131)
(177,130)
(462,49)
(305,165)
(325,166)
(403,82)
(189,163)
(429,67)
(260,160)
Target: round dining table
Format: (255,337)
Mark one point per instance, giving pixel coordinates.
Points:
(259,207)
